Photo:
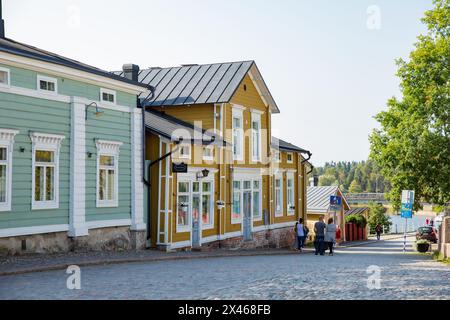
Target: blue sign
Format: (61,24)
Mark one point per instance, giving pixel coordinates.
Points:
(335,201)
(407,204)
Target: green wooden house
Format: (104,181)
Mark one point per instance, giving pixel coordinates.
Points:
(70,154)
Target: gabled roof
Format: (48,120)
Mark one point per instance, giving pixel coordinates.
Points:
(173,128)
(200,84)
(25,50)
(318,198)
(356,210)
(286,146)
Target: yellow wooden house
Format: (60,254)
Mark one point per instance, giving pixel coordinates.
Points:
(217,178)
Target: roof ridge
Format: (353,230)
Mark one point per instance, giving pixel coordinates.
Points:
(199,65)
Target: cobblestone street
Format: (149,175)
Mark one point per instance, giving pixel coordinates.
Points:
(303,276)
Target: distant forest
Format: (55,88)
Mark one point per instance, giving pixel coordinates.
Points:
(353,177)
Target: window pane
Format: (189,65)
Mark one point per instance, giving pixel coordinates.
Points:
(237,185)
(50,86)
(106,160)
(247,185)
(2,183)
(44,156)
(183,211)
(195,187)
(206,207)
(2,154)
(277,183)
(183,187)
(38,183)
(49,183)
(43,85)
(236,205)
(196,207)
(277,200)
(4,77)
(102,184)
(111,184)
(207,187)
(256,209)
(255,184)
(236,122)
(289,183)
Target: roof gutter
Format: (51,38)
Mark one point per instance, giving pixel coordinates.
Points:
(309,156)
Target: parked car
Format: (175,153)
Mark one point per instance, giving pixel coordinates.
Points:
(427,233)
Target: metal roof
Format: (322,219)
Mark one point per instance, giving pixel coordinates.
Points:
(200,84)
(286,146)
(318,198)
(356,211)
(173,128)
(24,50)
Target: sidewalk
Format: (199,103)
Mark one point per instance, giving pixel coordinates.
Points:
(11,265)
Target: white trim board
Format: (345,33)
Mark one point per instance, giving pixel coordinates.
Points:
(108,223)
(23,231)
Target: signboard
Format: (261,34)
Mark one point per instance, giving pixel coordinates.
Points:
(179,167)
(335,203)
(407,204)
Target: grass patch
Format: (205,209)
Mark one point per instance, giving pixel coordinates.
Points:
(438,256)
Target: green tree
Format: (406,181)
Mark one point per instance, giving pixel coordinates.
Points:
(412,147)
(377,214)
(355,187)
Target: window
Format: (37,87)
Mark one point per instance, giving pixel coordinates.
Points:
(107,173)
(184,152)
(290,157)
(47,85)
(183,206)
(108,96)
(6,151)
(4,77)
(256,137)
(236,215)
(238,135)
(208,153)
(290,195)
(207,205)
(256,205)
(277,156)
(45,180)
(278,196)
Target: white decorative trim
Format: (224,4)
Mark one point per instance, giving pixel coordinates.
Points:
(108,223)
(47,142)
(278,176)
(62,98)
(292,157)
(108,91)
(8,76)
(13,232)
(237,112)
(68,73)
(256,117)
(108,147)
(210,239)
(137,185)
(231,235)
(260,228)
(77,204)
(7,141)
(256,111)
(40,78)
(290,176)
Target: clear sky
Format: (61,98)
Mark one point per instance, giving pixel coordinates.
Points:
(329,64)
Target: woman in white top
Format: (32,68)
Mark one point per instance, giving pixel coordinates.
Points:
(301,234)
(330,235)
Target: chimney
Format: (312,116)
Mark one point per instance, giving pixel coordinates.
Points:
(2,23)
(131,71)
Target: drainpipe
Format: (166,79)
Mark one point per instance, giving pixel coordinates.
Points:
(309,156)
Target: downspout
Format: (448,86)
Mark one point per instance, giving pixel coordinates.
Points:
(309,156)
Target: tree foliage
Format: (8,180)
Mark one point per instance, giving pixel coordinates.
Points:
(412,147)
(377,214)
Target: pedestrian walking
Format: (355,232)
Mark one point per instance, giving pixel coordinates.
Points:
(302,232)
(330,235)
(378,230)
(319,230)
(427,221)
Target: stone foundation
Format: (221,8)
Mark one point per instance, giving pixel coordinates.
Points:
(104,239)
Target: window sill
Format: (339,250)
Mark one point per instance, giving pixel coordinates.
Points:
(183,229)
(207,227)
(50,93)
(5,207)
(44,205)
(236,221)
(107,204)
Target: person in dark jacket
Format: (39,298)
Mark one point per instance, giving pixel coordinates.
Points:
(319,230)
(378,230)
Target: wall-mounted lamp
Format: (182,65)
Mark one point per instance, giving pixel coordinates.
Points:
(202,174)
(22,149)
(89,154)
(97,113)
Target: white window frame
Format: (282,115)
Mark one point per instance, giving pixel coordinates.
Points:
(208,158)
(292,157)
(238,113)
(277,156)
(45,142)
(278,213)
(188,193)
(180,156)
(210,225)
(8,72)
(252,179)
(260,216)
(108,91)
(47,79)
(7,141)
(241,188)
(111,149)
(256,117)
(290,177)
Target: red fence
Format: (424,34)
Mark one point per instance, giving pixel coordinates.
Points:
(354,233)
